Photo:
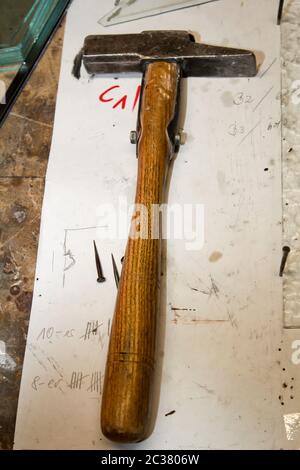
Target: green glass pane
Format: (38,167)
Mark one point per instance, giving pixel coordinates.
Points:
(12,20)
(21,22)
(26,27)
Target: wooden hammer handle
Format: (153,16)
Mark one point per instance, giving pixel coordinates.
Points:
(126,401)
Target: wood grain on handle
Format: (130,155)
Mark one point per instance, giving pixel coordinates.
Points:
(126,401)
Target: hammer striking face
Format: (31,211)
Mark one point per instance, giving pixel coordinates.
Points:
(163,57)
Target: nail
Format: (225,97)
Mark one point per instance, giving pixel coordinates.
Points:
(279,14)
(285,253)
(100,278)
(116,272)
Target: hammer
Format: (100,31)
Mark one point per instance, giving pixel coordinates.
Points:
(164,57)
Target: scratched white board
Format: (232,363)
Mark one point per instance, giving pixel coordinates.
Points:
(221,370)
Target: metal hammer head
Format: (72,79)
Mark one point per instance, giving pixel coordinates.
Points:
(114,53)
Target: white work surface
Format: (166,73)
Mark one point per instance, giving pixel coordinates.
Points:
(224,359)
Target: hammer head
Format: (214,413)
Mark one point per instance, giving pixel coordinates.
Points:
(115,53)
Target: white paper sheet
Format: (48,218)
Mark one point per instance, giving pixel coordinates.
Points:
(222,371)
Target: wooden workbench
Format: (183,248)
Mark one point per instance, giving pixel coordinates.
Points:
(25,140)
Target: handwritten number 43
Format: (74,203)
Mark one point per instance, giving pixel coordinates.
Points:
(112,96)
